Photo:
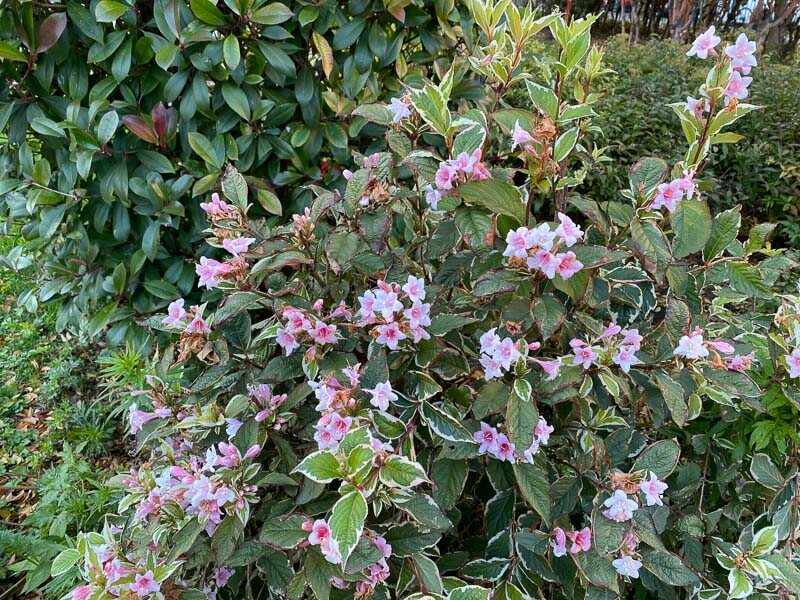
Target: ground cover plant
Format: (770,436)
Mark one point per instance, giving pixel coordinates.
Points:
(460,378)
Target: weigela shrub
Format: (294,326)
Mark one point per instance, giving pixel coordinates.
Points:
(460,378)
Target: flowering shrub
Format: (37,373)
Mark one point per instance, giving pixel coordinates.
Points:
(517,391)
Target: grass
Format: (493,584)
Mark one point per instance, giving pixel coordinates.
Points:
(56,440)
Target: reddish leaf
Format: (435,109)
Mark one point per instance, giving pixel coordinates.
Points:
(51,29)
(140,128)
(160,117)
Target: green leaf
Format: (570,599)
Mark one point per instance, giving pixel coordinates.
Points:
(652,244)
(660,458)
(236,99)
(691,225)
(597,569)
(427,573)
(340,249)
(543,98)
(646,174)
(534,487)
(747,279)
(272,14)
(442,324)
(672,392)
(207,12)
(470,592)
(549,314)
(64,562)
(497,196)
(668,568)
(321,466)
(202,147)
(444,425)
(449,477)
(765,472)
(764,541)
(347,521)
(398,471)
(375,113)
(9,51)
(183,540)
(232,56)
(739,584)
(565,143)
(107,11)
(521,418)
(724,230)
(283,533)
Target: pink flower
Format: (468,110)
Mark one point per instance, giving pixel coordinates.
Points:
(330,550)
(581,540)
(144,585)
(253,451)
(667,196)
(697,106)
(319,532)
(486,437)
(415,288)
(230,455)
(547,262)
(198,325)
(568,265)
(503,449)
(216,208)
(211,271)
(445,176)
(387,303)
(551,367)
(138,418)
(466,162)
(740,362)
(287,341)
(793,362)
(737,87)
(419,334)
(507,353)
(652,490)
(691,347)
(627,566)
(347,174)
(620,508)
(222,575)
(490,341)
(610,331)
(723,347)
(432,197)
(532,449)
(542,431)
(382,395)
(632,339)
(519,137)
(568,231)
(417,315)
(400,109)
(704,44)
(686,184)
(625,358)
(82,592)
(742,54)
(323,333)
(232,426)
(559,542)
(384,546)
(238,245)
(390,335)
(491,367)
(176,315)
(517,243)
(584,355)
(630,541)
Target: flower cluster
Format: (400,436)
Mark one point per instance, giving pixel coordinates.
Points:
(396,312)
(742,58)
(464,167)
(538,248)
(694,347)
(581,541)
(313,328)
(496,444)
(498,355)
(191,321)
(319,534)
(667,195)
